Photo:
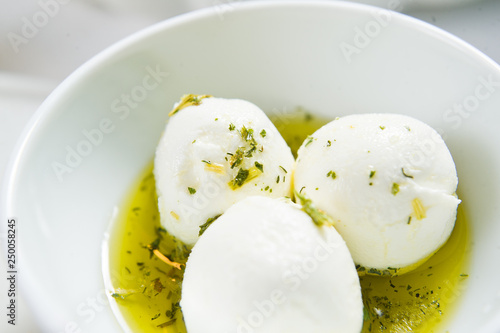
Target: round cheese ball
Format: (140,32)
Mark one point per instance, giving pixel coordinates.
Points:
(265,267)
(388,181)
(213,153)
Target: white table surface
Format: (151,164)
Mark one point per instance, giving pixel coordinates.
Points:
(76,30)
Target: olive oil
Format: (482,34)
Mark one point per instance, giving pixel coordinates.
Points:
(147,289)
(296,126)
(423,299)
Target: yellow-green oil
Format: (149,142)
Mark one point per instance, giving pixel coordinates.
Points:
(147,289)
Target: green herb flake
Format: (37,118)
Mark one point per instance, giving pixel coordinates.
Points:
(156,316)
(122,294)
(231,127)
(240,178)
(236,158)
(207,162)
(331,174)
(259,166)
(191,190)
(277,179)
(188,100)
(250,152)
(372,173)
(244,176)
(405,174)
(395,188)
(283,169)
(168,323)
(247,134)
(319,217)
(382,127)
(117,295)
(263,133)
(328,143)
(309,140)
(205,225)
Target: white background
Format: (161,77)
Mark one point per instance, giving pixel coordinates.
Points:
(72,31)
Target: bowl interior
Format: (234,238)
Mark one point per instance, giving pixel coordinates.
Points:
(98,130)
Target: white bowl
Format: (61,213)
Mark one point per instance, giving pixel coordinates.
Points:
(332,58)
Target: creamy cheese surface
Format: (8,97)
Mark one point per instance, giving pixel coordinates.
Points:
(264,266)
(389,183)
(213,153)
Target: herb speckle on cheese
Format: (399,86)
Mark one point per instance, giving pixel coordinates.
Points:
(331,174)
(188,100)
(205,225)
(259,166)
(405,174)
(243,176)
(309,140)
(319,217)
(395,188)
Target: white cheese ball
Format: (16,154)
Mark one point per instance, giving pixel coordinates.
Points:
(265,267)
(389,183)
(212,155)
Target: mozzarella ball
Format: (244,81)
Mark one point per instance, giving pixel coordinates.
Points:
(265,267)
(213,153)
(388,181)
